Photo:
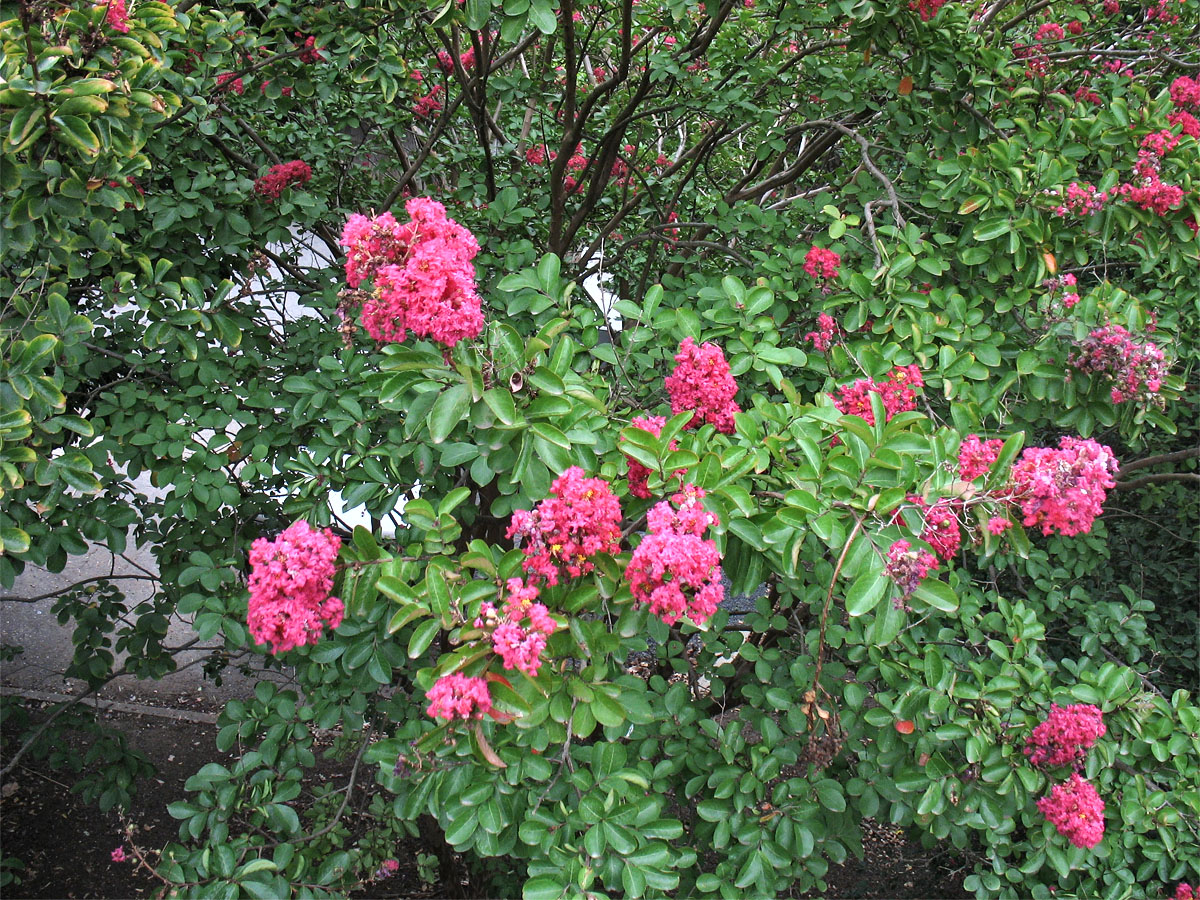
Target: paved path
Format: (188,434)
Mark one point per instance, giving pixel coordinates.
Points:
(48,647)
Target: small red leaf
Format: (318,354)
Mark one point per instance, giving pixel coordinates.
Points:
(904,726)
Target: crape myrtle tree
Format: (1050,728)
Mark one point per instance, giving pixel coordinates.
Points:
(802,517)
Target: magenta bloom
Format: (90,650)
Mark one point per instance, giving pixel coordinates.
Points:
(283,176)
(674,570)
(827,332)
(423,275)
(1064,738)
(290,581)
(702,382)
(458,696)
(118,855)
(907,567)
(1076,810)
(118,20)
(580,520)
(822,264)
(898,392)
(1063,490)
(975,457)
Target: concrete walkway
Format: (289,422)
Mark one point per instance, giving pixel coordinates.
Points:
(48,647)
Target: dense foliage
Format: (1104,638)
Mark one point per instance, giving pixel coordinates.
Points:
(767,416)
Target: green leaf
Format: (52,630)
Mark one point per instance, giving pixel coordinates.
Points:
(449,409)
(992,228)
(866,592)
(500,402)
(422,637)
(541,13)
(543,887)
(75,133)
(937,594)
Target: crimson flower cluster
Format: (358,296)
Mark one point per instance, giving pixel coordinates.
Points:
(1063,490)
(519,645)
(1184,891)
(290,581)
(827,332)
(1076,810)
(898,392)
(1185,95)
(822,264)
(459,696)
(117,16)
(941,530)
(1079,200)
(310,53)
(282,176)
(907,568)
(422,271)
(430,104)
(1066,735)
(674,570)
(975,457)
(1147,190)
(230,83)
(581,519)
(926,9)
(1067,284)
(1137,370)
(639,474)
(702,382)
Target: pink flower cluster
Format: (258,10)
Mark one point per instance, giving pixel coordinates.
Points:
(827,332)
(1184,891)
(1185,95)
(580,520)
(430,104)
(1185,92)
(898,392)
(1049,31)
(1065,736)
(638,474)
(926,9)
(310,53)
(1079,200)
(229,82)
(117,16)
(118,855)
(822,264)
(1065,283)
(975,457)
(1076,810)
(445,61)
(701,382)
(424,279)
(459,696)
(1063,490)
(1147,190)
(1137,370)
(941,530)
(674,569)
(1160,143)
(1188,124)
(290,581)
(520,646)
(907,568)
(283,176)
